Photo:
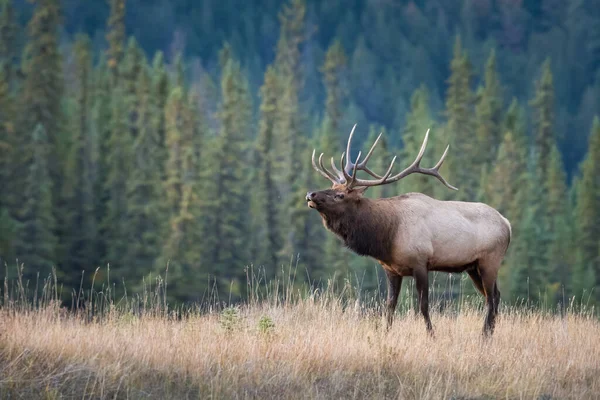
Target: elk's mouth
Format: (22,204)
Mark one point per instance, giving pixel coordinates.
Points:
(312,204)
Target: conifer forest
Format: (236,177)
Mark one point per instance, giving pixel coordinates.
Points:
(138,136)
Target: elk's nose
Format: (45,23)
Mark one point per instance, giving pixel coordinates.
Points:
(310,196)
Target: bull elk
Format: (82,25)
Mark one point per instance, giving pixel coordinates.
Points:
(412,234)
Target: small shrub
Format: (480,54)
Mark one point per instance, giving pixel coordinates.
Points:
(265,325)
(230,318)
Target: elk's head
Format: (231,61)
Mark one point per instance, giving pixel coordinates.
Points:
(348,189)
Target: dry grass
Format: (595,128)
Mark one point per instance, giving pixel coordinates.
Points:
(315,349)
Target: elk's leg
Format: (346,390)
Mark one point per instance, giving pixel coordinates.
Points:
(496,298)
(394,285)
(476,278)
(422,283)
(492,296)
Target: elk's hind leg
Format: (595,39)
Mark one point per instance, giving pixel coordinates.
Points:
(394,285)
(489,273)
(476,278)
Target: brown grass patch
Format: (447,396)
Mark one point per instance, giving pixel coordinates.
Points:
(314,350)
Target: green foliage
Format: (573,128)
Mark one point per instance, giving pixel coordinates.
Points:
(142,165)
(36,242)
(115,37)
(543,118)
(80,175)
(230,319)
(266,325)
(460,125)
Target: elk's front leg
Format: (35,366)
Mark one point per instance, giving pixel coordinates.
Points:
(394,285)
(422,283)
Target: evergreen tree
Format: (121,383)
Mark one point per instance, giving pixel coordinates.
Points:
(119,148)
(79,174)
(133,63)
(333,70)
(160,92)
(175,141)
(379,161)
(226,252)
(587,215)
(529,275)
(267,218)
(488,112)
(418,121)
(36,243)
(145,219)
(558,225)
(41,95)
(543,119)
(116,37)
(289,143)
(459,128)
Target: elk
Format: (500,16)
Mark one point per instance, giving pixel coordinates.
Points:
(412,234)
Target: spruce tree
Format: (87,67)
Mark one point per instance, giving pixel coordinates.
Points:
(226,202)
(160,93)
(116,37)
(79,174)
(145,213)
(175,141)
(418,121)
(459,128)
(42,92)
(587,215)
(543,118)
(36,243)
(119,150)
(488,113)
(558,225)
(267,219)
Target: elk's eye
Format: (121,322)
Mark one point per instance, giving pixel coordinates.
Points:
(339,196)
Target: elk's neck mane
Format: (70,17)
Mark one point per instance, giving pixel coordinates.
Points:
(369,229)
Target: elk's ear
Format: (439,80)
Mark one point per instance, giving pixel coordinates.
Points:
(360,190)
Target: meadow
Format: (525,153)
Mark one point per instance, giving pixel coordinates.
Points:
(288,343)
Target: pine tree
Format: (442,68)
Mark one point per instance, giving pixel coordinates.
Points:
(267,219)
(418,121)
(119,149)
(79,174)
(41,96)
(116,37)
(288,145)
(558,225)
(225,205)
(488,112)
(188,275)
(145,213)
(175,141)
(131,67)
(160,92)
(587,215)
(543,118)
(459,128)
(333,70)
(379,161)
(529,275)
(36,242)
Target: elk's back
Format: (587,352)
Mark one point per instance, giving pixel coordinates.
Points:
(447,233)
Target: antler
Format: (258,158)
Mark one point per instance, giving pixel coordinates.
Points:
(348,174)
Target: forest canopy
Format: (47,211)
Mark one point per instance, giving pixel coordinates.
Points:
(141,134)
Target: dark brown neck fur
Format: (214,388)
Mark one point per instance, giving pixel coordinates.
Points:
(368,229)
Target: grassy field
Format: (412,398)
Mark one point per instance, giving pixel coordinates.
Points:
(311,347)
